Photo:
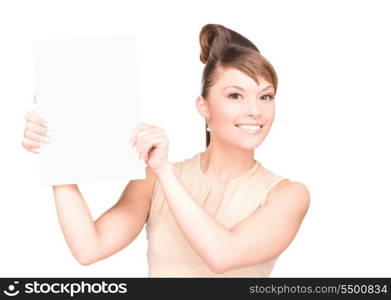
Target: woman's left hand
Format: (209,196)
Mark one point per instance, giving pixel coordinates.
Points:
(151,144)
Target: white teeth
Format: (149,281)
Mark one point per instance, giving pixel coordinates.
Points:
(250,128)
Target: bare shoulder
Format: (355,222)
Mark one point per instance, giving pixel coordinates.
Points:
(288,186)
(290,194)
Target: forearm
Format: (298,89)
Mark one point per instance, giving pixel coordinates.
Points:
(207,236)
(76,221)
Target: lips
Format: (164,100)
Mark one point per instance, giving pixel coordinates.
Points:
(260,125)
(249,124)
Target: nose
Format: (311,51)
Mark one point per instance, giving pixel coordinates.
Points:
(253,107)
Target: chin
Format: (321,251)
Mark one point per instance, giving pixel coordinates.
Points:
(249,145)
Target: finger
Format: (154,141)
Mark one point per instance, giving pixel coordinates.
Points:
(141,136)
(33,116)
(36,137)
(31,149)
(37,128)
(135,132)
(145,150)
(34,150)
(31,143)
(148,145)
(153,144)
(139,127)
(144,137)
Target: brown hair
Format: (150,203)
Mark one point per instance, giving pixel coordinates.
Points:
(223,47)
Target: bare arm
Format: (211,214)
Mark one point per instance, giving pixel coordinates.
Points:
(255,240)
(91,241)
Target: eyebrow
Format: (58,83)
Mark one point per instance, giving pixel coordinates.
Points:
(240,88)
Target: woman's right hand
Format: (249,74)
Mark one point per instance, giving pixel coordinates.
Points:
(36,133)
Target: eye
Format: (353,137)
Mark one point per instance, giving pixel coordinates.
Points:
(271,97)
(232,96)
(235,96)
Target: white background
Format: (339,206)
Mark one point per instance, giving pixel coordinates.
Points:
(331,130)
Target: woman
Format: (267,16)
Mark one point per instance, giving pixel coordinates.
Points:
(219,213)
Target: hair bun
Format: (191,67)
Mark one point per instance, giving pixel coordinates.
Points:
(211,35)
(215,38)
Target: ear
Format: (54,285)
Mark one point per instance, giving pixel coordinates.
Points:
(203,107)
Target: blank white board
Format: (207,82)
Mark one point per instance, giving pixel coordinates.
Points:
(88,91)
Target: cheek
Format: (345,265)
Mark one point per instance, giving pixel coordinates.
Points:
(268,113)
(225,116)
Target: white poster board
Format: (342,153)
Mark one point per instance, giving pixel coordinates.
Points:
(88,91)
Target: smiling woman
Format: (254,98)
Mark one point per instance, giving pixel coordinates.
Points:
(219,213)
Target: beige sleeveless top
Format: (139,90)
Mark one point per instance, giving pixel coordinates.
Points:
(169,253)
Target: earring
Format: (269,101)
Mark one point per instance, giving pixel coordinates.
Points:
(207,123)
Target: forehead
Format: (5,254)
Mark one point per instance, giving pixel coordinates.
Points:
(233,76)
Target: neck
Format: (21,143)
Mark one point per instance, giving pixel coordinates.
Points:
(223,164)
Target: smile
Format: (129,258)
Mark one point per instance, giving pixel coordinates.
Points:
(250,129)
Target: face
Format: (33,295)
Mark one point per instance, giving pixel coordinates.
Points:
(236,99)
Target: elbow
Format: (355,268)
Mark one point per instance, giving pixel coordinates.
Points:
(220,259)
(218,270)
(84,261)
(217,265)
